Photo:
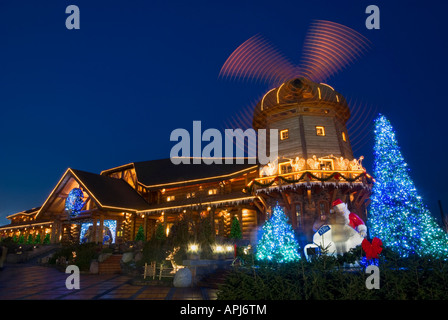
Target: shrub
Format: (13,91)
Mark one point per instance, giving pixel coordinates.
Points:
(328,277)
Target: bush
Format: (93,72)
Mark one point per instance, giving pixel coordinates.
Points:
(329,278)
(80,255)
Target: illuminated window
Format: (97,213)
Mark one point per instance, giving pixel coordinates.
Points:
(212,191)
(170,198)
(320,131)
(285,168)
(284,134)
(191,195)
(343,136)
(326,164)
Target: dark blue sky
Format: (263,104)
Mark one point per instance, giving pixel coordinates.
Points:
(112,92)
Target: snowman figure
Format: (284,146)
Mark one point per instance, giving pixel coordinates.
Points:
(345,231)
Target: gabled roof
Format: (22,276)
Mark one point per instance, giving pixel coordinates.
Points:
(28,212)
(107,192)
(163,173)
(110,192)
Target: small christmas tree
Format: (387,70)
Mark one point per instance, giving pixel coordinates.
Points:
(397,213)
(278,243)
(37,239)
(235,229)
(30,239)
(140,234)
(46,239)
(160,232)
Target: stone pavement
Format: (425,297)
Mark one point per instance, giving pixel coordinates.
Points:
(34,282)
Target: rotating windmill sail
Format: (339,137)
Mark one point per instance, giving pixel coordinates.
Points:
(329,48)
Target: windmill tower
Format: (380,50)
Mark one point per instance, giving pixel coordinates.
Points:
(310,118)
(315,164)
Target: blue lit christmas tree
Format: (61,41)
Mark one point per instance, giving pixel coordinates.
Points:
(278,243)
(397,214)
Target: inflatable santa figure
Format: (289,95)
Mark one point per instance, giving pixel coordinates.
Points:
(344,232)
(351,218)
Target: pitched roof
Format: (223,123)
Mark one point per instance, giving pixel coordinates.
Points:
(162,172)
(111,192)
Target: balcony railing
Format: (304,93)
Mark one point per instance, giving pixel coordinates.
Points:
(310,177)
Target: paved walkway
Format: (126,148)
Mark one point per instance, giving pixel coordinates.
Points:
(34,282)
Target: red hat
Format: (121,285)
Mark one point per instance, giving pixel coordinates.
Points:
(336,202)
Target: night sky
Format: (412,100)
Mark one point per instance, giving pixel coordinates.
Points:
(111,92)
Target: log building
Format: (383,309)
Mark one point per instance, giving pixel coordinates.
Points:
(315,166)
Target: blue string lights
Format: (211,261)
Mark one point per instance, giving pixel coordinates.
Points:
(397,214)
(278,243)
(109,231)
(74,202)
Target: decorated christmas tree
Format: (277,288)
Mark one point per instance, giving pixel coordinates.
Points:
(398,215)
(278,243)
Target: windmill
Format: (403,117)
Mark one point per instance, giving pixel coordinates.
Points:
(315,162)
(329,48)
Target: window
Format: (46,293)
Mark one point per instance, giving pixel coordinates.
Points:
(326,164)
(170,198)
(284,134)
(343,136)
(299,214)
(191,195)
(285,168)
(320,131)
(212,191)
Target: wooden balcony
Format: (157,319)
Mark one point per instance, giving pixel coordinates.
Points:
(308,178)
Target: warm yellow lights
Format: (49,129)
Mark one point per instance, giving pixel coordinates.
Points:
(343,136)
(320,131)
(193,247)
(262,100)
(278,91)
(198,204)
(201,179)
(284,134)
(327,86)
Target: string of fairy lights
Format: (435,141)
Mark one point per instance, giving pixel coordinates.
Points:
(397,214)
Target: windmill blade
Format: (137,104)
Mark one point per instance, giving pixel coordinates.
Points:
(360,124)
(329,48)
(242,120)
(256,59)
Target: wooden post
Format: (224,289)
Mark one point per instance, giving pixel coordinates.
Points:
(145,226)
(100,231)
(94,236)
